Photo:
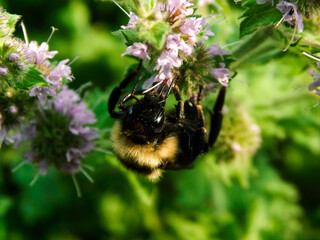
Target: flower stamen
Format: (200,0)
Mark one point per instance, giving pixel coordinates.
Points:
(53,30)
(121,8)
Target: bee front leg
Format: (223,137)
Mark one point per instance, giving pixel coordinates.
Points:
(180,106)
(117,91)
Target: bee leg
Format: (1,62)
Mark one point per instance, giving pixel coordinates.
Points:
(216,117)
(116,92)
(202,145)
(180,106)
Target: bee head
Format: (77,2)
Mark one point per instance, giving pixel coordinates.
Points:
(144,119)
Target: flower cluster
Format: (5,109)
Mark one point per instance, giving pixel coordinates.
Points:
(59,135)
(25,73)
(53,75)
(177,49)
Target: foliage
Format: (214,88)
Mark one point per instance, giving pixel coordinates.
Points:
(266,189)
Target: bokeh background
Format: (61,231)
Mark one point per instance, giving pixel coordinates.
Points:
(261,181)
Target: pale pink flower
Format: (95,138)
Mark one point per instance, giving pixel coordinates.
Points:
(174,42)
(179,9)
(38,54)
(132,22)
(139,50)
(214,50)
(222,75)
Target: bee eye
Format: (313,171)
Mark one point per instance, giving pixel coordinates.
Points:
(158,120)
(130,111)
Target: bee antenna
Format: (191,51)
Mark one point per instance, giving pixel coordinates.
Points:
(170,88)
(162,87)
(151,88)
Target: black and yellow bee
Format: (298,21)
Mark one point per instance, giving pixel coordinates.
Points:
(149,140)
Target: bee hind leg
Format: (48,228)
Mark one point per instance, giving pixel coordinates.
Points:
(216,118)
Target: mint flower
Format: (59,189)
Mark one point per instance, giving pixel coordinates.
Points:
(61,135)
(139,50)
(178,9)
(222,75)
(132,22)
(39,54)
(171,34)
(291,14)
(3,70)
(191,27)
(214,50)
(42,93)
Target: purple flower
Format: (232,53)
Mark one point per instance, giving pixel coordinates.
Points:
(13,57)
(42,93)
(54,78)
(26,133)
(314,85)
(65,99)
(178,9)
(39,54)
(207,32)
(168,59)
(191,27)
(138,50)
(174,42)
(4,136)
(222,75)
(13,109)
(73,163)
(214,50)
(132,22)
(69,117)
(3,70)
(291,14)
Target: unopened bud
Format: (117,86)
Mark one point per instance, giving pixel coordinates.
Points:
(3,70)
(13,57)
(13,109)
(236,147)
(9,94)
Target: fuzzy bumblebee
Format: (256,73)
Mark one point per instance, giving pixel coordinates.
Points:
(149,140)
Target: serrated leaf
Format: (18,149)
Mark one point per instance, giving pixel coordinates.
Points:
(155,33)
(257,16)
(8,24)
(128,36)
(32,78)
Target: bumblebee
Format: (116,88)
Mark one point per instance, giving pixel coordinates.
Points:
(149,140)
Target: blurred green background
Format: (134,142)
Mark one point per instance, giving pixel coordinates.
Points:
(269,189)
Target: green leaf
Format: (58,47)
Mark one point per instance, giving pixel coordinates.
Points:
(155,32)
(7,23)
(32,78)
(148,5)
(128,36)
(257,16)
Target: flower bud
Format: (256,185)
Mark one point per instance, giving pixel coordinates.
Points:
(13,109)
(9,94)
(13,57)
(3,70)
